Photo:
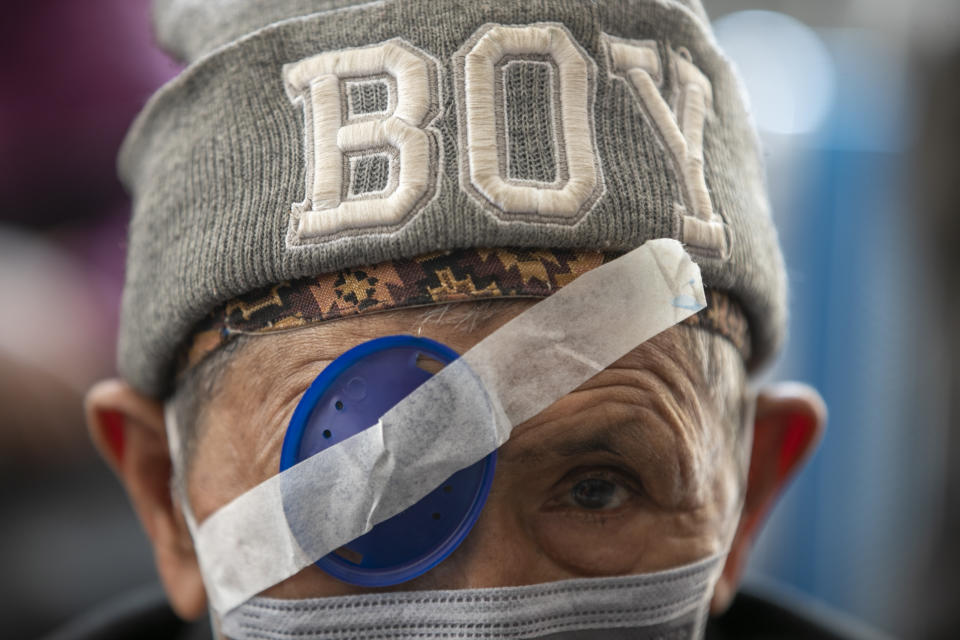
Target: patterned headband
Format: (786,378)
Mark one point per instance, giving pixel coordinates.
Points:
(428,280)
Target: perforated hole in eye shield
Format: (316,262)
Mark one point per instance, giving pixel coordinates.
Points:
(348,397)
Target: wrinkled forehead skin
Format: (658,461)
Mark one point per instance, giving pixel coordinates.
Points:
(640,426)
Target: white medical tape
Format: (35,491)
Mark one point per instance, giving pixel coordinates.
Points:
(454,419)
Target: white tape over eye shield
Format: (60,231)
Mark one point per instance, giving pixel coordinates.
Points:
(457,417)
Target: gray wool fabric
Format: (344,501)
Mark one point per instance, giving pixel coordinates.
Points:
(220,159)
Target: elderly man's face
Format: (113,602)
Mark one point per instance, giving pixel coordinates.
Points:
(632,472)
(635,471)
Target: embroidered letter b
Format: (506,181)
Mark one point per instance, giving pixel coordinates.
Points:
(372,160)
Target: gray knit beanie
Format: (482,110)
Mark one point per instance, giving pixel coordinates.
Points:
(310,137)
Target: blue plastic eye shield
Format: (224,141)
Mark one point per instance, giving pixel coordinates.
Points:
(348,397)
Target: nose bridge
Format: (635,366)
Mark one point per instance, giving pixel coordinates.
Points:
(499,552)
(496,552)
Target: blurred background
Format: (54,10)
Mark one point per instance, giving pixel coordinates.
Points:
(858,106)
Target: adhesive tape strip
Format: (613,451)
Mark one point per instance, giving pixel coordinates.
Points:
(455,418)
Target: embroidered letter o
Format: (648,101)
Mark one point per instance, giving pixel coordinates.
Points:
(371,160)
(525,98)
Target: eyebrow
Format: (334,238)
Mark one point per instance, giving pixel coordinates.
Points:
(603,442)
(610,439)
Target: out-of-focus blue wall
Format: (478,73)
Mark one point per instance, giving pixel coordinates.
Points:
(853,528)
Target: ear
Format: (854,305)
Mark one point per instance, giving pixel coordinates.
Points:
(789,421)
(128,430)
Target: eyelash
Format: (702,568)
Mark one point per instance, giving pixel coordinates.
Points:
(619,477)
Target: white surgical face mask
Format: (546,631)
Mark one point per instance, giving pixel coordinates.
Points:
(666,605)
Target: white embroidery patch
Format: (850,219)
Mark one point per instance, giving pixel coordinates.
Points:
(363,106)
(680,128)
(525,98)
(481,67)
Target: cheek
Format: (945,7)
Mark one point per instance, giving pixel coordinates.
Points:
(627,543)
(311,582)
(593,544)
(727,495)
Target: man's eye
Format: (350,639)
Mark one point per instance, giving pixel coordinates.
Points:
(598,493)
